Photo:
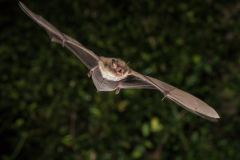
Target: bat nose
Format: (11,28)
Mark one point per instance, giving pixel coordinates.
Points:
(120,71)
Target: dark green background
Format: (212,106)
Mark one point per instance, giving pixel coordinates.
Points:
(50,109)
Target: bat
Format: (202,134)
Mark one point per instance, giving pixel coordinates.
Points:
(110,74)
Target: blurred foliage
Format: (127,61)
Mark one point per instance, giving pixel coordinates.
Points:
(50,109)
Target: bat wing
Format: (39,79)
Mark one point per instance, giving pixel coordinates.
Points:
(184,99)
(85,55)
(134,82)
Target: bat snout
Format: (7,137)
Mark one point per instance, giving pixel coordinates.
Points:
(119,71)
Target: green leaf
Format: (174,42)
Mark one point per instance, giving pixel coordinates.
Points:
(145,129)
(156,125)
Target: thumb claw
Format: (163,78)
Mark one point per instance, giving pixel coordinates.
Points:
(89,73)
(164,97)
(63,43)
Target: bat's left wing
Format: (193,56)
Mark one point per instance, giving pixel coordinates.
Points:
(86,56)
(184,99)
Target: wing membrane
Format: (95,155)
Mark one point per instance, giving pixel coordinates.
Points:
(133,82)
(184,99)
(85,55)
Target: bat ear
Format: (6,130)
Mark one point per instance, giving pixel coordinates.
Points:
(114,63)
(125,67)
(127,64)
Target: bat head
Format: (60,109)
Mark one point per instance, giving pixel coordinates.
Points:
(119,67)
(113,68)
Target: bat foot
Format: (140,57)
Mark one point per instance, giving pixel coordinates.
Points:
(91,71)
(117,90)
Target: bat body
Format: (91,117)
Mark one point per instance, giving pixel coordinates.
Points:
(110,74)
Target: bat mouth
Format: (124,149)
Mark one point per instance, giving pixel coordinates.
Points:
(119,71)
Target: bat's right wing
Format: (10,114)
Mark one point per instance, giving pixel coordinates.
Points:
(134,82)
(184,99)
(85,55)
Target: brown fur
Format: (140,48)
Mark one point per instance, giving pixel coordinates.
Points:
(106,66)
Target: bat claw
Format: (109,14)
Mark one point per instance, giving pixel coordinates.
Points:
(63,43)
(90,73)
(164,96)
(117,90)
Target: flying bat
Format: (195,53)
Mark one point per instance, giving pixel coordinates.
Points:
(110,74)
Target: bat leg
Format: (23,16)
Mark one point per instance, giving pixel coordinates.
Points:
(102,83)
(118,88)
(166,93)
(91,71)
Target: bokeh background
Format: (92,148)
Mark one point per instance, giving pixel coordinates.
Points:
(50,109)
